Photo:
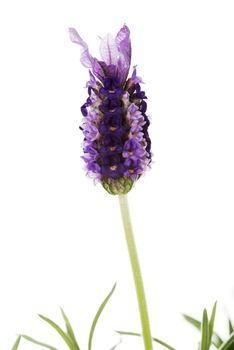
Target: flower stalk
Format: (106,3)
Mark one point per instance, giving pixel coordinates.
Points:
(146,333)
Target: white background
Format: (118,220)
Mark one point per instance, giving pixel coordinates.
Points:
(61,239)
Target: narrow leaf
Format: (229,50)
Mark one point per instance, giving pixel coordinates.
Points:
(205,332)
(38,342)
(229,344)
(115,346)
(211,323)
(230,326)
(154,339)
(63,335)
(97,317)
(70,331)
(193,321)
(16,345)
(216,340)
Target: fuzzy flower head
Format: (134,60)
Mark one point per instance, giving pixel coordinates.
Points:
(117,147)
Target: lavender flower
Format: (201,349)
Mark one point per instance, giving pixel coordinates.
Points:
(116,141)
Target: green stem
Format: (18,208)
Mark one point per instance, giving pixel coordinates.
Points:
(136,272)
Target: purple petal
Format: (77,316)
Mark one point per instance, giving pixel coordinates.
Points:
(123,43)
(135,78)
(98,70)
(132,108)
(116,54)
(124,46)
(92,81)
(86,59)
(109,50)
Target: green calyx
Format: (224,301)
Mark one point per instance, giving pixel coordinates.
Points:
(120,186)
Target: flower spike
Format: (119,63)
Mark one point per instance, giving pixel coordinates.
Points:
(117,147)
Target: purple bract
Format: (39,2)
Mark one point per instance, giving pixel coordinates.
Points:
(117,147)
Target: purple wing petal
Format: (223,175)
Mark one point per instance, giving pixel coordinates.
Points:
(116,54)
(98,69)
(135,77)
(86,59)
(123,43)
(109,50)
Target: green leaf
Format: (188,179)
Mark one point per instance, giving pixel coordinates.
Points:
(154,339)
(115,346)
(205,332)
(70,331)
(230,326)
(216,340)
(192,321)
(229,344)
(38,342)
(16,345)
(97,317)
(63,335)
(211,323)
